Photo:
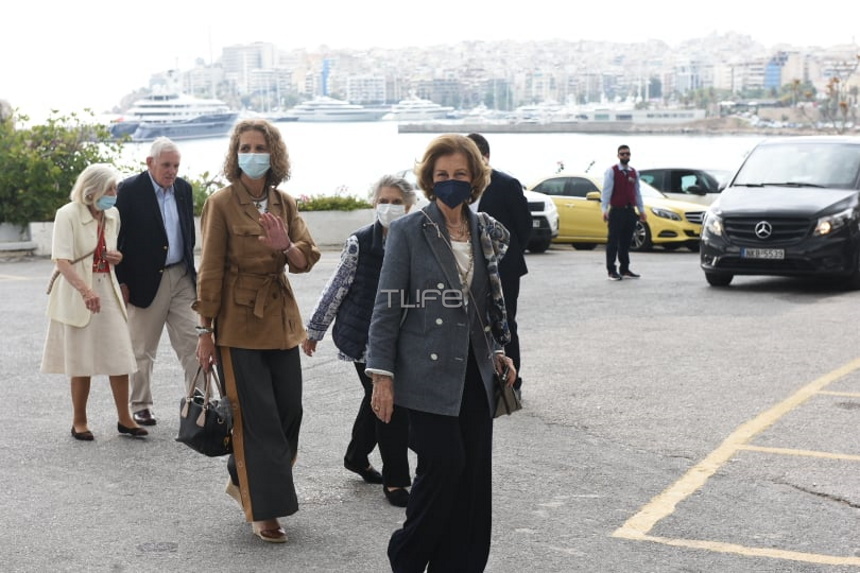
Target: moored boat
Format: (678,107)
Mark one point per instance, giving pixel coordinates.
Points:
(417,109)
(325,108)
(174,115)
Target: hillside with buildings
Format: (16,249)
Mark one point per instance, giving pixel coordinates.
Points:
(505,75)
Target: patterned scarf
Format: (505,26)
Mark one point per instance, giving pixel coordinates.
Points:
(494,242)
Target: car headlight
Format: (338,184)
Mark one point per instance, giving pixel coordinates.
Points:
(713,224)
(666,214)
(831,223)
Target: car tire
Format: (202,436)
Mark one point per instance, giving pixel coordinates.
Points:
(693,246)
(584,246)
(719,279)
(539,246)
(641,237)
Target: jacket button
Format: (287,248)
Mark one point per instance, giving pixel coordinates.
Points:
(434,356)
(486,329)
(438,321)
(440,286)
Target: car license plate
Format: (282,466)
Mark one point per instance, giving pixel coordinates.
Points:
(762,253)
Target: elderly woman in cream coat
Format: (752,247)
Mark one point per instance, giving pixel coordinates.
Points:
(88,331)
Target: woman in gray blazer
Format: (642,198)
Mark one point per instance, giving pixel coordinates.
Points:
(433,351)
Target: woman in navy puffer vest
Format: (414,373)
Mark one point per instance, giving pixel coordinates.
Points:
(348,300)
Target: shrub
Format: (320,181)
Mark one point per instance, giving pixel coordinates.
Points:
(337,202)
(39,164)
(203,186)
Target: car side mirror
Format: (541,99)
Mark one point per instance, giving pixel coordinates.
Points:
(696,190)
(593,196)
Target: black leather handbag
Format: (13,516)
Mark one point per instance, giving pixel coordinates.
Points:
(205,423)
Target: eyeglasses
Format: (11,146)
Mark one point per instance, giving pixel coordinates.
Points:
(623,155)
(627,153)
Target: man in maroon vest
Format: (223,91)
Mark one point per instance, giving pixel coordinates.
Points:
(621,203)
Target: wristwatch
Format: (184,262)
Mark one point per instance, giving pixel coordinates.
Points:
(201,330)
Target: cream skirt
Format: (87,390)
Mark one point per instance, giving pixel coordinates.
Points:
(103,347)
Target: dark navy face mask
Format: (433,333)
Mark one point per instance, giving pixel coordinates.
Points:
(452,192)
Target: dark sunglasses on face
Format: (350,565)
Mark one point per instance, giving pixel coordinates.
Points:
(624,154)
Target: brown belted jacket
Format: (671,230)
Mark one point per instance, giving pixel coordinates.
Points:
(241,283)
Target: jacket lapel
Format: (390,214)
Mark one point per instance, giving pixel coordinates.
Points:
(150,203)
(247,202)
(439,243)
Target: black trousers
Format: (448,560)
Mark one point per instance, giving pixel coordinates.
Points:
(265,387)
(511,290)
(622,223)
(392,438)
(449,516)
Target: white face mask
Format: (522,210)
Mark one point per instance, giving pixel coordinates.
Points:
(387,212)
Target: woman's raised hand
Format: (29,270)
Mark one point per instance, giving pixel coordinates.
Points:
(275,235)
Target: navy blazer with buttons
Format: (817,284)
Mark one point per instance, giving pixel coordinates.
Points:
(143,240)
(419,336)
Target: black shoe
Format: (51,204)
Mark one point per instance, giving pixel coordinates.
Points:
(368,474)
(629,275)
(85,436)
(397,497)
(144,417)
(614,276)
(133,432)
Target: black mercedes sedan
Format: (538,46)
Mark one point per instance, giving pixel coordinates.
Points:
(792,209)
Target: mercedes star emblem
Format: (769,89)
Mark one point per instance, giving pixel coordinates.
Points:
(763,229)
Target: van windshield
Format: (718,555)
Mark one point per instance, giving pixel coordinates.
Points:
(802,164)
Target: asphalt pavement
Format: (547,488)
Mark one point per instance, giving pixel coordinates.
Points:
(667,426)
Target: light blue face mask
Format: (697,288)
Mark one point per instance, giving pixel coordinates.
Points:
(105,202)
(254,165)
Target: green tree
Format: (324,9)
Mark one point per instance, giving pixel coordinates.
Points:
(39,163)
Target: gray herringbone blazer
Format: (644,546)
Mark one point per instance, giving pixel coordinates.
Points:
(419,331)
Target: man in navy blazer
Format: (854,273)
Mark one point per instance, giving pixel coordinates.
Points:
(157,274)
(505,202)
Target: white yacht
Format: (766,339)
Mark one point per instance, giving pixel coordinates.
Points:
(324,108)
(417,109)
(174,115)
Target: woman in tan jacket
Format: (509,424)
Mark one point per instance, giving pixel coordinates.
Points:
(249,321)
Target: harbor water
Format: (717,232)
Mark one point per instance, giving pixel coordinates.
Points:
(348,157)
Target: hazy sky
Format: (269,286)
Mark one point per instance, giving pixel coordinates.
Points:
(92,52)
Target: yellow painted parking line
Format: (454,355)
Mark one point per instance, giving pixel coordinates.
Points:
(720,547)
(664,504)
(808,453)
(843,394)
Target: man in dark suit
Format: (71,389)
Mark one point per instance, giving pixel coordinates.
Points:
(504,201)
(157,274)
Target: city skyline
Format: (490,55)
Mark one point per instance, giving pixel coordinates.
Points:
(95,64)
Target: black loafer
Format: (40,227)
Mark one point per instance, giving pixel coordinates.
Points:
(133,432)
(85,436)
(144,417)
(397,497)
(368,474)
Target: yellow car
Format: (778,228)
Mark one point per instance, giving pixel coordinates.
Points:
(670,224)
